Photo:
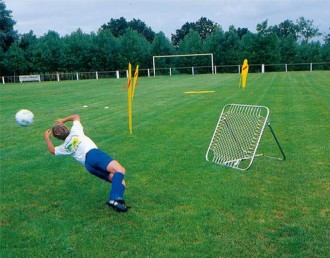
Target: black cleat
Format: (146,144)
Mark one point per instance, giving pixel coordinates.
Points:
(118,205)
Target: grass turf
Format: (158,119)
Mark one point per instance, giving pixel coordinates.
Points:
(182,205)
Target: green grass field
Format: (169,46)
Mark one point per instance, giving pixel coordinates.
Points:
(182,205)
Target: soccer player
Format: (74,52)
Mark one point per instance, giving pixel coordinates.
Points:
(85,151)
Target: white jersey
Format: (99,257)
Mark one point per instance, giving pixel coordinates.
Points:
(77,144)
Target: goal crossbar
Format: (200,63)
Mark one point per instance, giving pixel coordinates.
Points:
(237,136)
(182,55)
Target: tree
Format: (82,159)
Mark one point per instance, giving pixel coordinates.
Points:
(310,53)
(247,47)
(241,32)
(325,52)
(48,53)
(327,38)
(306,30)
(191,44)
(107,51)
(116,26)
(161,45)
(267,45)
(213,44)
(142,28)
(119,42)
(15,60)
(204,27)
(28,43)
(286,29)
(7,33)
(263,29)
(181,33)
(78,51)
(2,62)
(289,48)
(230,45)
(134,49)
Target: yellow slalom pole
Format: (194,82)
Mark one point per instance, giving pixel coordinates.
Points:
(136,74)
(129,98)
(245,70)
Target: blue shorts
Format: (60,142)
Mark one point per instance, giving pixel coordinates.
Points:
(96,163)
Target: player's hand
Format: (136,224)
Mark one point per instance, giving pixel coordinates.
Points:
(59,121)
(48,133)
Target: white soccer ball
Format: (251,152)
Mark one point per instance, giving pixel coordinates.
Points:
(24,117)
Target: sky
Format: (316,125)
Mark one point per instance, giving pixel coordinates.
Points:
(66,16)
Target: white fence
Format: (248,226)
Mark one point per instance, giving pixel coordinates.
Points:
(193,70)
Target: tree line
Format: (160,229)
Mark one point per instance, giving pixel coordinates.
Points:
(119,42)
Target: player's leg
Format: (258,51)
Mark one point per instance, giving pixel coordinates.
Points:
(116,202)
(113,167)
(110,175)
(100,173)
(103,166)
(116,177)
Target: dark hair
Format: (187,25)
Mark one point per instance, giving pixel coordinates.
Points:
(60,131)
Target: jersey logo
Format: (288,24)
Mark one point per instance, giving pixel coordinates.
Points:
(74,145)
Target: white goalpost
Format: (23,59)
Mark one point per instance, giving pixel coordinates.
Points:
(183,55)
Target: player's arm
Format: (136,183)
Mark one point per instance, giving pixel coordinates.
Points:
(49,143)
(74,117)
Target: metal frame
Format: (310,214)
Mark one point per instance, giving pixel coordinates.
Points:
(237,136)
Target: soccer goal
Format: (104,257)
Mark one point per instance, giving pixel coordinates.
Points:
(183,55)
(237,136)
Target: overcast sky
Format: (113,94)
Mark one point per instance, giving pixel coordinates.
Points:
(66,16)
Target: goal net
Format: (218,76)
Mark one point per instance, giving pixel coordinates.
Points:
(237,136)
(187,62)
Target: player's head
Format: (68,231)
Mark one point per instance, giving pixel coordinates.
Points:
(60,131)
